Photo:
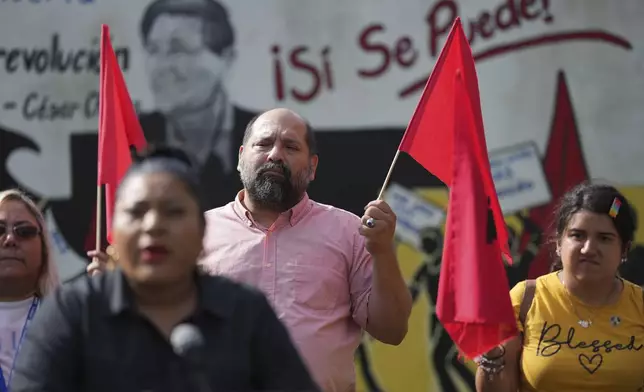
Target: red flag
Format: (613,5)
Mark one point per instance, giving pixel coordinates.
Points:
(118,126)
(446,136)
(429,138)
(473,303)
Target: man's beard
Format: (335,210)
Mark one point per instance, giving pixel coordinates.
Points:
(271,191)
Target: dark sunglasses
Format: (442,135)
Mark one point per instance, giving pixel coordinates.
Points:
(23,232)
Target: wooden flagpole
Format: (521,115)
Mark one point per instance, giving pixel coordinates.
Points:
(388,177)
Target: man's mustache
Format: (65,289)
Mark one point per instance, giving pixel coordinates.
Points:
(276,167)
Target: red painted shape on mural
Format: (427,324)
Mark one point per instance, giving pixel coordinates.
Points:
(564,166)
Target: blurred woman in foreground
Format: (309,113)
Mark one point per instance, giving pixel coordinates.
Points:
(582,326)
(117,331)
(26,272)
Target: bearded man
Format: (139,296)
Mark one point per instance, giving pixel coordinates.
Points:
(328,273)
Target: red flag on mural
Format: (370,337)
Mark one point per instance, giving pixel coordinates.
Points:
(446,136)
(118,127)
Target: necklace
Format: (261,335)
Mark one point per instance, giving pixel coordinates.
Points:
(584,323)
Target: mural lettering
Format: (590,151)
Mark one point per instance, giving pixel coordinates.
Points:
(55,58)
(302,59)
(317,63)
(42,107)
(510,14)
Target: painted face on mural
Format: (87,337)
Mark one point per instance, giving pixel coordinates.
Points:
(185,75)
(20,242)
(157,228)
(275,163)
(590,246)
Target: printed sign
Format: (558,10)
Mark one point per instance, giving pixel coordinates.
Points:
(413,213)
(518,177)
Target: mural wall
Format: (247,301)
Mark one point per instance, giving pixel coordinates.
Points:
(562,89)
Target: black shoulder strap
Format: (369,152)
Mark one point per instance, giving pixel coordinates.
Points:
(528,296)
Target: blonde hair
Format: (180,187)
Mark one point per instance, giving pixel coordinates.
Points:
(48,279)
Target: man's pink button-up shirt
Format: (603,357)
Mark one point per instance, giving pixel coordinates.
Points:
(314,269)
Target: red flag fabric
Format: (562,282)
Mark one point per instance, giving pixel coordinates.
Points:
(429,137)
(118,127)
(473,302)
(446,136)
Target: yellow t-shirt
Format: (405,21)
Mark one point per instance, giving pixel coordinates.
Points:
(561,356)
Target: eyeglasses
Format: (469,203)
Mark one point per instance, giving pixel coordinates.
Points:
(23,232)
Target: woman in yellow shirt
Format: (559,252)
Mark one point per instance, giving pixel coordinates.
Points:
(582,326)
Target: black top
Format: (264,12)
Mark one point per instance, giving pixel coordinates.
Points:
(88,336)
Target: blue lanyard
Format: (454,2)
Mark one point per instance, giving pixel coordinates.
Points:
(4,386)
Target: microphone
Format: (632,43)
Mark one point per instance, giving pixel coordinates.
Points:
(188,343)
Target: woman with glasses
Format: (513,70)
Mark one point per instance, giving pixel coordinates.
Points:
(26,273)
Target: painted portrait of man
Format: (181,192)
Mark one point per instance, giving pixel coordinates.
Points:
(189,52)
